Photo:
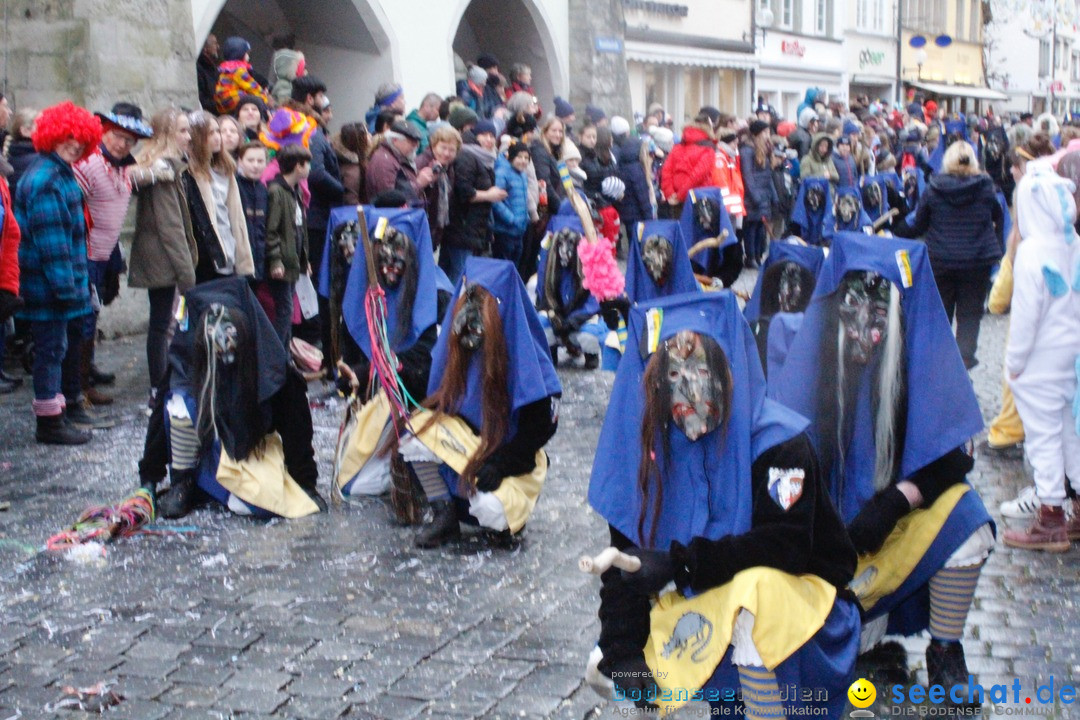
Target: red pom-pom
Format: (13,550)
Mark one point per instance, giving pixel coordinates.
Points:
(63,122)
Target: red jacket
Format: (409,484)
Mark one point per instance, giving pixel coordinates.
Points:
(9,244)
(689,165)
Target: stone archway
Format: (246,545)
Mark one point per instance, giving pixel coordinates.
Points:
(348,43)
(514,31)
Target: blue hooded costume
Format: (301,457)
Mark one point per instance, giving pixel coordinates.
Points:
(836,224)
(806,256)
(942,410)
(708,261)
(881,182)
(640,286)
(578,304)
(708,491)
(412,223)
(812,222)
(530,372)
(235,435)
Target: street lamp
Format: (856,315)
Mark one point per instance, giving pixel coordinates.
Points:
(920,59)
(765,20)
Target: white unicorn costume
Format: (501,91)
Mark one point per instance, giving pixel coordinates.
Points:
(1042,361)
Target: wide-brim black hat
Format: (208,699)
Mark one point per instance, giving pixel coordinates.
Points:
(129,118)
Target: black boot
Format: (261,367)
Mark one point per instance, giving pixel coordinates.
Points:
(99,376)
(83,418)
(184,495)
(443,528)
(592,361)
(52,430)
(946,666)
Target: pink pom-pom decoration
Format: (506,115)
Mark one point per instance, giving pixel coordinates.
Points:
(602,276)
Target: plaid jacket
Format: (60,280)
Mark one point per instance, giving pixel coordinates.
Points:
(52,254)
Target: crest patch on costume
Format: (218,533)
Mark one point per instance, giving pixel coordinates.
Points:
(903,261)
(786,485)
(182,314)
(654,319)
(380,227)
(692,634)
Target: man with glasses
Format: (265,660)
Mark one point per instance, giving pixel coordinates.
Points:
(103,177)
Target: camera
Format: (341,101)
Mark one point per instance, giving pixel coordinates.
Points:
(436,169)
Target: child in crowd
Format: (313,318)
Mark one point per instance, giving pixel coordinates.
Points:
(234,77)
(286,233)
(511,216)
(251,162)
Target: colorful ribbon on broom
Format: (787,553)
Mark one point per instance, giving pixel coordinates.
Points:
(104,523)
(384,367)
(601,273)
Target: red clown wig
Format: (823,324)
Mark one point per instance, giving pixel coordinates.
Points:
(64,122)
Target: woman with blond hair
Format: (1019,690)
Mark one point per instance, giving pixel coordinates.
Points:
(18,147)
(213,197)
(163,252)
(959,217)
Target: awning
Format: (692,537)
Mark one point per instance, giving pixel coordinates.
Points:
(871,81)
(963,91)
(665,54)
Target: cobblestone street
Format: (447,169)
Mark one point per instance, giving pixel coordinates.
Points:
(339,616)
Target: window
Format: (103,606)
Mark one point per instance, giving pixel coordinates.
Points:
(786,15)
(925,15)
(1076,66)
(821,17)
(959,34)
(1044,58)
(870,15)
(974,21)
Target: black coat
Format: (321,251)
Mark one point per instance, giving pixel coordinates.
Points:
(254,199)
(958,216)
(210,254)
(206,72)
(324,182)
(636,204)
(470,222)
(21,155)
(595,174)
(547,171)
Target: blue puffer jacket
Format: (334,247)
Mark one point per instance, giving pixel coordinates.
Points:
(52,253)
(511,216)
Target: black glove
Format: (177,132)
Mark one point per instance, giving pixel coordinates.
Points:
(10,303)
(940,475)
(489,477)
(657,570)
(556,323)
(633,681)
(877,519)
(613,309)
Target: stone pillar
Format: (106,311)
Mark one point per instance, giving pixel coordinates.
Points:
(598,76)
(95,52)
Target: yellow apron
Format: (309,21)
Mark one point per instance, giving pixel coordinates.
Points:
(263,481)
(360,437)
(453,441)
(879,574)
(689,637)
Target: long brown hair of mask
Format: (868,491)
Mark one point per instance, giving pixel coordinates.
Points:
(657,420)
(446,400)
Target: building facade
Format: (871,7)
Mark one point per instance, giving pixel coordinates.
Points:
(802,47)
(942,53)
(688,54)
(870,49)
(1033,55)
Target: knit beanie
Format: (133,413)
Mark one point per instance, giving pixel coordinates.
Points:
(619,126)
(235,48)
(460,116)
(563,109)
(515,150)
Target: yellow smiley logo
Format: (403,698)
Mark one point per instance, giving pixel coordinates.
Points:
(862,693)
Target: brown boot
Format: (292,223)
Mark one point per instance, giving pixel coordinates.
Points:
(1047,532)
(1072,519)
(92,394)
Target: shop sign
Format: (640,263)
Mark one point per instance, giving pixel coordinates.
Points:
(609,45)
(657,8)
(792,47)
(871,58)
